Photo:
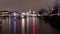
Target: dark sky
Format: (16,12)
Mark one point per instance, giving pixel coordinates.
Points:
(22,5)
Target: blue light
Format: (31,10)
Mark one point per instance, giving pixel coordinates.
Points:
(14,24)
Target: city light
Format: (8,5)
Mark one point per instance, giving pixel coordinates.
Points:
(14,23)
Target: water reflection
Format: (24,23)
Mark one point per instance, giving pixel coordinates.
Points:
(28,25)
(14,24)
(33,26)
(23,26)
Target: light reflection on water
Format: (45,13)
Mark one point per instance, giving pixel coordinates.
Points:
(28,25)
(23,25)
(32,25)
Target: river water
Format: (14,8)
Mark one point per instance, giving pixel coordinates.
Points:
(28,25)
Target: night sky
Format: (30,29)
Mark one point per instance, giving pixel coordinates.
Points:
(22,5)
